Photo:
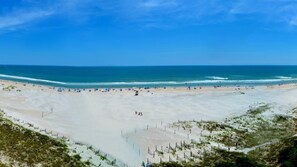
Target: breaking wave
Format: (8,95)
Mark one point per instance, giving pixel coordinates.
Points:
(214,80)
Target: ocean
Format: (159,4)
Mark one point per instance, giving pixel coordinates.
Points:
(149,76)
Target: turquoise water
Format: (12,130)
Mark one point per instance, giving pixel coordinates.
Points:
(155,76)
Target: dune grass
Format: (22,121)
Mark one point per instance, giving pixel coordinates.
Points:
(282,153)
(24,147)
(260,140)
(252,128)
(259,110)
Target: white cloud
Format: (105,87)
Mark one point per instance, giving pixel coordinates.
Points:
(283,11)
(22,17)
(153,13)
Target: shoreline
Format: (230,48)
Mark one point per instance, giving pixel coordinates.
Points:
(4,83)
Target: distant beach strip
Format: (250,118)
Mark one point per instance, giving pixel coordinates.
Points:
(163,76)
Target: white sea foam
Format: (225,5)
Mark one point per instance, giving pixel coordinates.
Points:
(283,77)
(31,79)
(217,80)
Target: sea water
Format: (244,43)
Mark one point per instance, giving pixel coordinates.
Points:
(149,76)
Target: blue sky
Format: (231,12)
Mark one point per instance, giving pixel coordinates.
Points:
(148,32)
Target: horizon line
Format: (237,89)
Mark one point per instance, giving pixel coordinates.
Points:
(214,65)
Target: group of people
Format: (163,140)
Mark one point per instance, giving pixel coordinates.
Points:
(138,113)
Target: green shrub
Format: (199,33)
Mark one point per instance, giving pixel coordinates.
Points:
(288,156)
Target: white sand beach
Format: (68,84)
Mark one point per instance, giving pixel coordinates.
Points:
(107,120)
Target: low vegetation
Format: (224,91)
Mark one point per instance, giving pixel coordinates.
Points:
(23,147)
(259,138)
(253,128)
(282,153)
(258,110)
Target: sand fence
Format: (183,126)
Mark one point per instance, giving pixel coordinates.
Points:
(87,152)
(183,149)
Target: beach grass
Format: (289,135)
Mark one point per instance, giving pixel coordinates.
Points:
(256,140)
(282,153)
(223,158)
(252,128)
(259,110)
(23,147)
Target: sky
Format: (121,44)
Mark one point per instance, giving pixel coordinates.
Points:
(148,32)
